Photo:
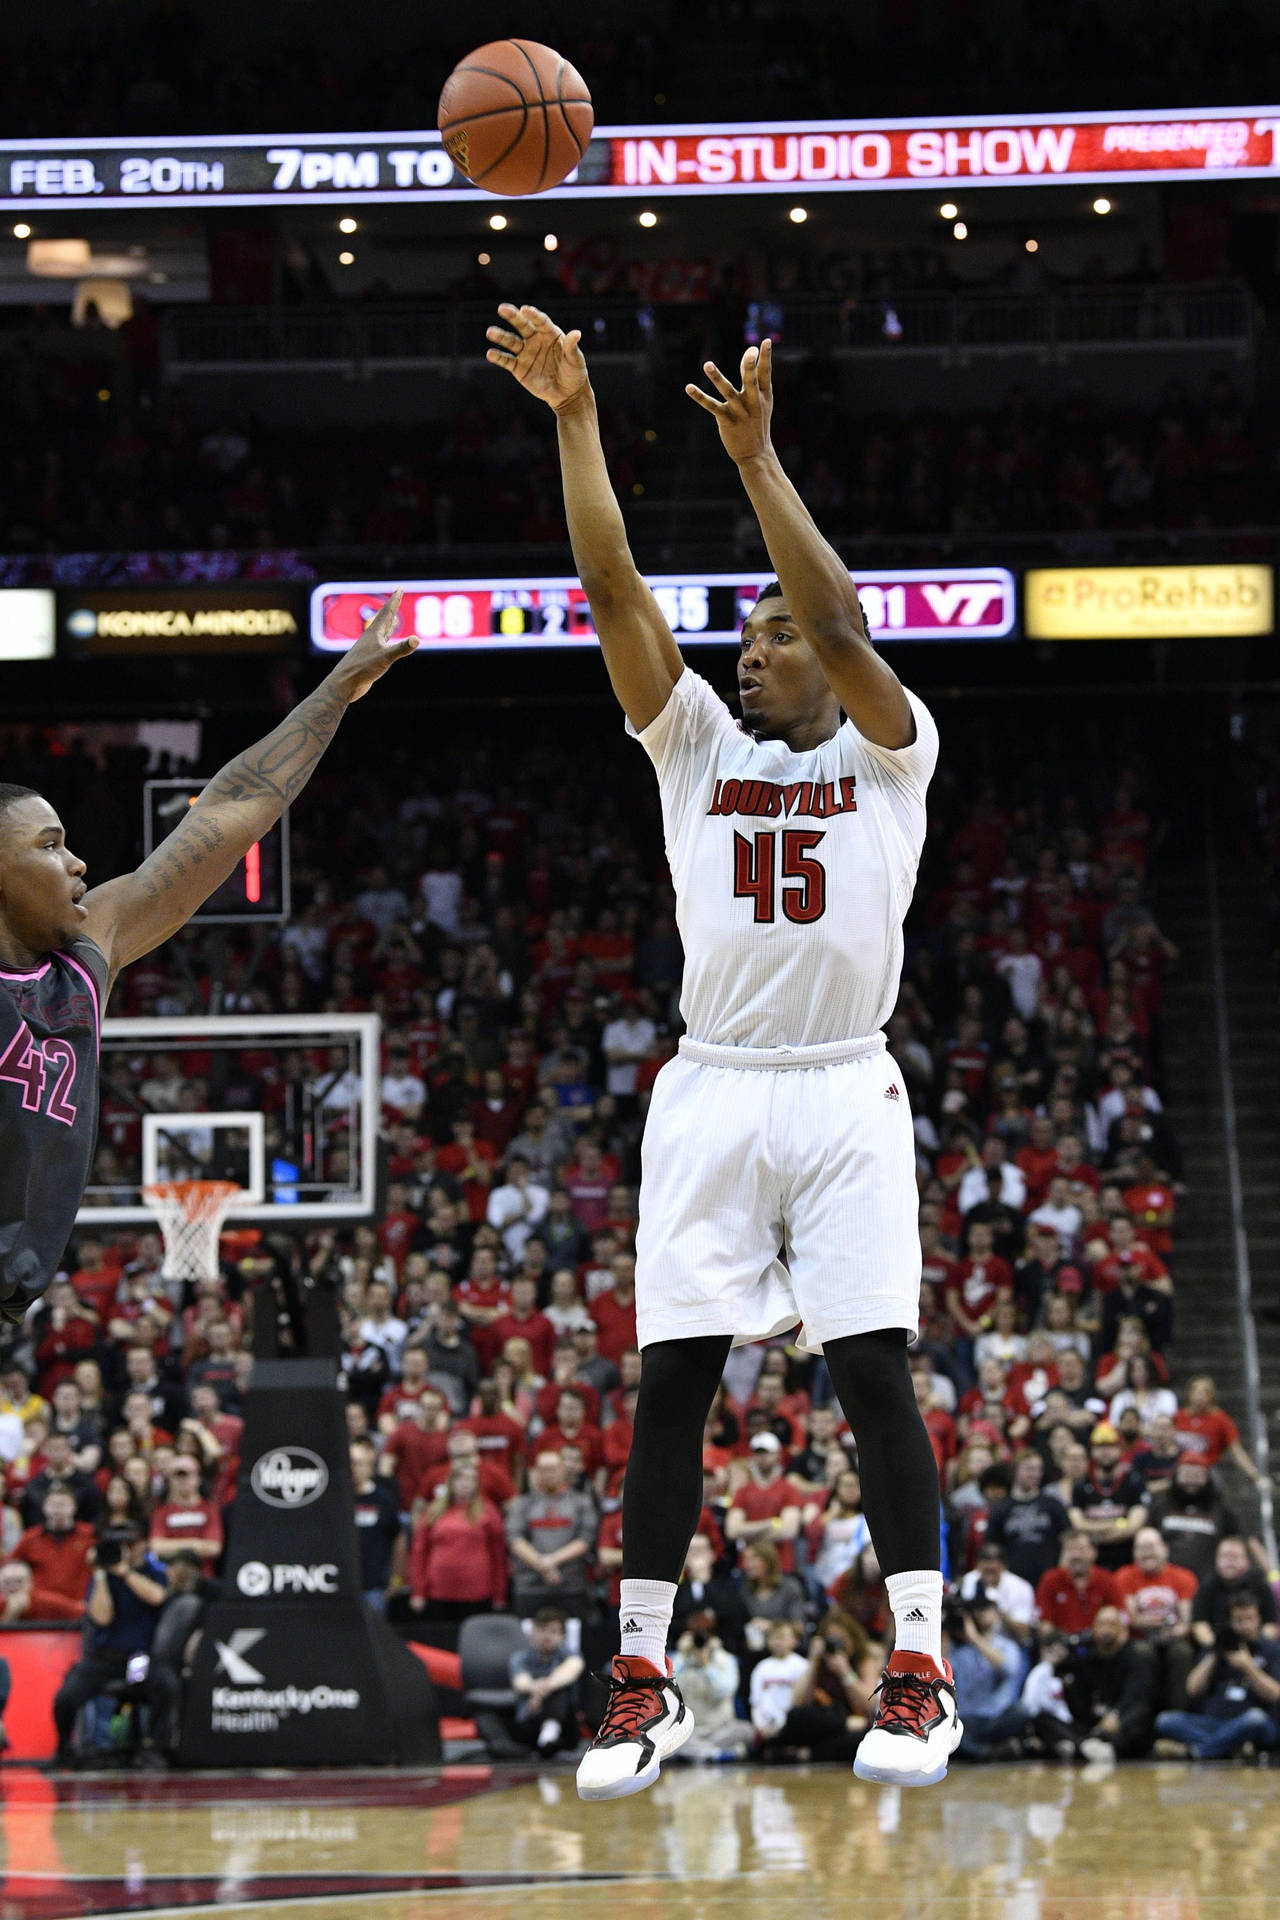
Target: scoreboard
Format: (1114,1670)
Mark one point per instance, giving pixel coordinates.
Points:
(942,604)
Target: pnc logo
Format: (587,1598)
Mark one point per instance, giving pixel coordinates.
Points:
(289,1477)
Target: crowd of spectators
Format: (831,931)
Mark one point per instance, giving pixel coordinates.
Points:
(512,924)
(171,476)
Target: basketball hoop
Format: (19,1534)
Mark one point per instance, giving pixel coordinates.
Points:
(191,1213)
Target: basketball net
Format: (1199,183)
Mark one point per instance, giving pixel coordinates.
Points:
(191,1213)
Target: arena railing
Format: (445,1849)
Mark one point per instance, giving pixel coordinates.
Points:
(1065,321)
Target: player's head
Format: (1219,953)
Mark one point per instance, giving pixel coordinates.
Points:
(781,685)
(41,880)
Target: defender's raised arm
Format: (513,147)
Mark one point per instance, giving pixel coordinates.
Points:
(639,650)
(129,916)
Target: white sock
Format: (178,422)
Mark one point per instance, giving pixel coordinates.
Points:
(645,1616)
(916,1599)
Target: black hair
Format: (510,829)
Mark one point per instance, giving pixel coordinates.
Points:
(774,587)
(11,794)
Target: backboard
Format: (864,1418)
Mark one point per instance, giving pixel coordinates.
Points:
(286,1105)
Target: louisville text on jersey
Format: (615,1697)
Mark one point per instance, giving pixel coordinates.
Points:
(816,799)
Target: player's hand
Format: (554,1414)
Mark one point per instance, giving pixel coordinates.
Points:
(742,413)
(376,649)
(546,361)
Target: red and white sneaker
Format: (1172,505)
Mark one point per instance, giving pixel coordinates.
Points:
(916,1729)
(644,1722)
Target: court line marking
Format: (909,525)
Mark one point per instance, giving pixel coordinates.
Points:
(496,1883)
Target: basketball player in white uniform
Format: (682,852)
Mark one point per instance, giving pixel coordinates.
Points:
(793,841)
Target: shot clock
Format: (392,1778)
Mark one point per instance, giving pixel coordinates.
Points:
(258,890)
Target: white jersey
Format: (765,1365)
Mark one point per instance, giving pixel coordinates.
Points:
(793,872)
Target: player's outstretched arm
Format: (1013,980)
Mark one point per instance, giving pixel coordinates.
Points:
(129,916)
(815,580)
(639,649)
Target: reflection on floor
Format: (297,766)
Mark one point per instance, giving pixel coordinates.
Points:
(1025,1843)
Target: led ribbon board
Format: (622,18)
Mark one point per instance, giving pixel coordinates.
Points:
(256,170)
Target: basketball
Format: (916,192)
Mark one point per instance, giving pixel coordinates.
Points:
(515,117)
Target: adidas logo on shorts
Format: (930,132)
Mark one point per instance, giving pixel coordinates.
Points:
(891,1091)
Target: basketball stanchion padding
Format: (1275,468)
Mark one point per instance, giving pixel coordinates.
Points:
(191,1213)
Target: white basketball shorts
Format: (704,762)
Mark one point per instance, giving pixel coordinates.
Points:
(778,1186)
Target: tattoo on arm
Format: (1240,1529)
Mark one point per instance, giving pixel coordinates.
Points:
(279,767)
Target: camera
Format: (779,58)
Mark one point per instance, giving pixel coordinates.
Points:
(1226,1640)
(110,1551)
(701,1637)
(834,1643)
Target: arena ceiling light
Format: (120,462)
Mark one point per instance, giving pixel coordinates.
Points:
(648,218)
(22,231)
(948,210)
(960,231)
(1032,246)
(798,215)
(1102,205)
(498,221)
(550,241)
(348,225)
(346,259)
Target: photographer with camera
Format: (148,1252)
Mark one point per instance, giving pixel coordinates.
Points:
(127,1589)
(1109,1688)
(988,1668)
(1235,1689)
(707,1675)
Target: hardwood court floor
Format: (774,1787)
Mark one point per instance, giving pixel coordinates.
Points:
(1026,1843)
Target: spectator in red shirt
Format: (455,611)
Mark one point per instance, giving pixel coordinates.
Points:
(416,1445)
(1069,1595)
(1128,1256)
(398,1401)
(483,1298)
(66,1330)
(614,1311)
(1150,1203)
(587,1181)
(940,1426)
(976,1283)
(766,1506)
(470,1161)
(523,1318)
(458,1557)
(495,1482)
(1156,1593)
(57,1551)
(1208,1431)
(572,1428)
(96,1281)
(616,1445)
(498,1436)
(185,1518)
(495,1116)
(400,1226)
(24,1602)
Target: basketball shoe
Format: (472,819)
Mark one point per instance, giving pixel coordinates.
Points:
(916,1728)
(645,1721)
